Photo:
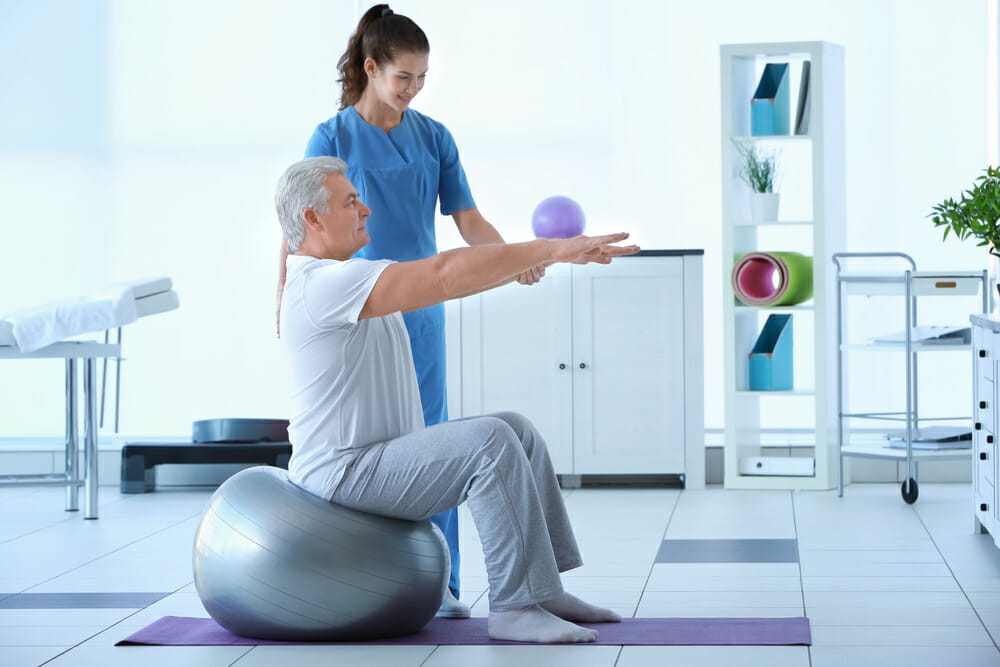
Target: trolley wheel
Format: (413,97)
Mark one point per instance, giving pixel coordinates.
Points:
(910,491)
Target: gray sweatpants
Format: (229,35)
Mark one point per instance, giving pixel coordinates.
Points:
(500,464)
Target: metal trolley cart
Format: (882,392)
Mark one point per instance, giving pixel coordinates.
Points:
(900,278)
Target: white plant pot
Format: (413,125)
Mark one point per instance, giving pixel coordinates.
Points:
(763,206)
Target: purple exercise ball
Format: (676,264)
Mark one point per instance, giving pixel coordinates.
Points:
(557,217)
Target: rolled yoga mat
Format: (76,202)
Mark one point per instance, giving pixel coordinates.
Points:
(773,278)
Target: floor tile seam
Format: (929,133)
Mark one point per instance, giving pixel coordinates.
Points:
(58,655)
(935,556)
(880,576)
(888,609)
(995,639)
(117,623)
(898,646)
(38,529)
(901,644)
(77,645)
(798,553)
(878,592)
(104,555)
(652,566)
(433,650)
(250,649)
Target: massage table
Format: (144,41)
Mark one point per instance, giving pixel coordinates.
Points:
(52,331)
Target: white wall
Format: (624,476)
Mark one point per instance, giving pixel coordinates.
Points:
(139,137)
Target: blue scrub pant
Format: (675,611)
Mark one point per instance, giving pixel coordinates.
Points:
(429,361)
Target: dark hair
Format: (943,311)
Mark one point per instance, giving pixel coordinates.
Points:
(381,35)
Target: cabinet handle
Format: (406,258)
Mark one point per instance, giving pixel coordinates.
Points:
(982,507)
(583,365)
(978,426)
(982,456)
(982,405)
(982,354)
(989,439)
(562,367)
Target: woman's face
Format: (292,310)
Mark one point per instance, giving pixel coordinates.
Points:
(396,83)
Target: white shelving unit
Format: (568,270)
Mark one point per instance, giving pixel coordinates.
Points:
(811,220)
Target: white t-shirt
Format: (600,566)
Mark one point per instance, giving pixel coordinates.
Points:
(353,382)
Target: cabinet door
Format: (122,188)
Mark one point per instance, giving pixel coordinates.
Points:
(991,467)
(514,340)
(983,464)
(628,366)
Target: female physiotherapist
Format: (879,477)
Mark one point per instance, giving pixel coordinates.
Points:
(402,162)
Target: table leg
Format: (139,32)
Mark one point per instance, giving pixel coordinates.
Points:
(90,439)
(72,444)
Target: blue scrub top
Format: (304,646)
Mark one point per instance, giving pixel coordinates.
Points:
(400,175)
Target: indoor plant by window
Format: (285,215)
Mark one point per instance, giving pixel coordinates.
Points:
(758,168)
(975,214)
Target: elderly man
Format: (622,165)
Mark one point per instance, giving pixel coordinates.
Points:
(357,431)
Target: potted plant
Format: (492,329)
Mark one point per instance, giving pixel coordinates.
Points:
(758,168)
(975,214)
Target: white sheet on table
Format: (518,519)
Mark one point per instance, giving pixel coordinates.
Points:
(157,303)
(147,286)
(34,328)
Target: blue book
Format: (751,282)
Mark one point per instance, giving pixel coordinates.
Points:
(769,108)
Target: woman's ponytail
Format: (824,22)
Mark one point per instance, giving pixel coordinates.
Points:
(381,35)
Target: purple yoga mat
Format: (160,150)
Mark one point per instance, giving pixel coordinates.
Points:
(186,631)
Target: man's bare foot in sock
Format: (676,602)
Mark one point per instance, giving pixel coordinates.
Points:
(571,608)
(534,624)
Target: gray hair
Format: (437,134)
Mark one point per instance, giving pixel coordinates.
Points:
(301,187)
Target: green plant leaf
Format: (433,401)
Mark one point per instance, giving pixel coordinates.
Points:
(976,213)
(758,167)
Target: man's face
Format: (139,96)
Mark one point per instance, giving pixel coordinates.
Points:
(343,228)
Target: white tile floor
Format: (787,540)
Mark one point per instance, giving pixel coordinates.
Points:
(883,583)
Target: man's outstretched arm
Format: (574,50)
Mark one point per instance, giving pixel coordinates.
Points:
(409,286)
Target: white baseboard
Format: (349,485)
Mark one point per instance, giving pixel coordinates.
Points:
(45,455)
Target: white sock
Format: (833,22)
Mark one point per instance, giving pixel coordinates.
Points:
(534,624)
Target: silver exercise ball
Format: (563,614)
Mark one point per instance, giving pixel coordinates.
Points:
(272,561)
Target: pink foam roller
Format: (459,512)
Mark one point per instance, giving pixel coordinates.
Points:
(773,278)
(756,278)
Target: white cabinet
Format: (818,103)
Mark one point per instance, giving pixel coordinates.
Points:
(764,429)
(985,353)
(606,360)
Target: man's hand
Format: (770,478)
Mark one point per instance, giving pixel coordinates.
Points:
(596,249)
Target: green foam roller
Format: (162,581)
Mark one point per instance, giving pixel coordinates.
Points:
(780,278)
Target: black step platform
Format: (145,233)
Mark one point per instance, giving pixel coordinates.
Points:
(261,441)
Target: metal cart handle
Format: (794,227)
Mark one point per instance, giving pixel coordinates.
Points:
(837,256)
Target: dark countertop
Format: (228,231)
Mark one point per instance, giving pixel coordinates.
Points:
(665,253)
